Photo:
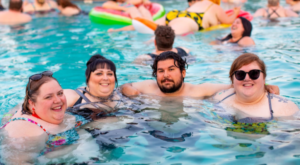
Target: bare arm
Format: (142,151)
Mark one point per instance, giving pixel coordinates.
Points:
(224,18)
(126,28)
(208,89)
(246,41)
(71,97)
(290,13)
(129,90)
(259,13)
(141,58)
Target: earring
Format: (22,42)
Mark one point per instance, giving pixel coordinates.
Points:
(33,110)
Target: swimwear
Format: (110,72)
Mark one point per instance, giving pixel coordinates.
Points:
(55,140)
(180,51)
(226,40)
(273,12)
(253,119)
(197,17)
(85,109)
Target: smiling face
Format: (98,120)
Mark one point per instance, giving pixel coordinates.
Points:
(50,103)
(248,88)
(237,27)
(102,82)
(169,77)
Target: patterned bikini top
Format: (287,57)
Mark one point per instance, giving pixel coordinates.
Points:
(55,140)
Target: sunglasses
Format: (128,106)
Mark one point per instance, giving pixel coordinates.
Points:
(37,77)
(241,75)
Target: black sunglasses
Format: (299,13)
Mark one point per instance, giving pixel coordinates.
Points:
(37,77)
(241,75)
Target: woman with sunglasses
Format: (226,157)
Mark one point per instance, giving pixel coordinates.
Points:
(99,97)
(41,125)
(249,94)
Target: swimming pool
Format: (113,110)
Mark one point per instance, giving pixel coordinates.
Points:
(189,134)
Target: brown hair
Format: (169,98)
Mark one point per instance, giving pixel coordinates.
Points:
(164,37)
(246,59)
(273,2)
(66,3)
(34,92)
(15,5)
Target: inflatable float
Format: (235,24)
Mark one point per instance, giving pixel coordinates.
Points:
(114,17)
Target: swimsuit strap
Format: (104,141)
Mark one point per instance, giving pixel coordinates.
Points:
(33,6)
(82,94)
(238,40)
(208,7)
(25,119)
(270,106)
(226,97)
(273,11)
(181,52)
(153,56)
(49,5)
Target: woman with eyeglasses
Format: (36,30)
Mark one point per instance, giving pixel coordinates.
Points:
(249,98)
(41,125)
(99,97)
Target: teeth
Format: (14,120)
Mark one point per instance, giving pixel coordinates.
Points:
(103,84)
(247,85)
(57,108)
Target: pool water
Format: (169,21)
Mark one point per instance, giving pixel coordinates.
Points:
(158,131)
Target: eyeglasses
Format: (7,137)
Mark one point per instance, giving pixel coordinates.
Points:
(241,75)
(37,77)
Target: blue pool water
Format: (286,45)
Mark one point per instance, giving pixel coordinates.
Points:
(189,132)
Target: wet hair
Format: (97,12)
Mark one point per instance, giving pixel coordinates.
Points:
(97,61)
(66,3)
(164,37)
(247,29)
(246,59)
(217,2)
(273,2)
(34,92)
(41,2)
(15,5)
(178,61)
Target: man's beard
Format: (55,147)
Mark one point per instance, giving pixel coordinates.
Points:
(173,89)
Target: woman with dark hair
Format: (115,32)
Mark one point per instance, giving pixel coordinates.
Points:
(41,124)
(240,33)
(99,97)
(67,8)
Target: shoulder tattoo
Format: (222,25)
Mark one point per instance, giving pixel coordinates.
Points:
(280,99)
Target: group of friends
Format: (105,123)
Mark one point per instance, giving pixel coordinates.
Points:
(50,116)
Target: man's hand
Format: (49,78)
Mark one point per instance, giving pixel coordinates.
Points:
(273,89)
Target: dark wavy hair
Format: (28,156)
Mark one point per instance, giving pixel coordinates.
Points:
(97,61)
(164,37)
(15,5)
(178,61)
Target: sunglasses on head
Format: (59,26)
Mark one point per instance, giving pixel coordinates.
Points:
(241,75)
(38,76)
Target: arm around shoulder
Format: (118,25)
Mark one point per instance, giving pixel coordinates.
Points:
(209,89)
(71,97)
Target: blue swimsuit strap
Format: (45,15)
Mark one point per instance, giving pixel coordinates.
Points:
(269,100)
(26,119)
(273,11)
(270,107)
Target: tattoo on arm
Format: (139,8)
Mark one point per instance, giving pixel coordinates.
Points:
(280,99)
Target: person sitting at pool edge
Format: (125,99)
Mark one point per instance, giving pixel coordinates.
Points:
(101,80)
(41,125)
(294,5)
(274,10)
(249,94)
(39,7)
(135,8)
(67,8)
(164,39)
(169,71)
(240,33)
(14,14)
